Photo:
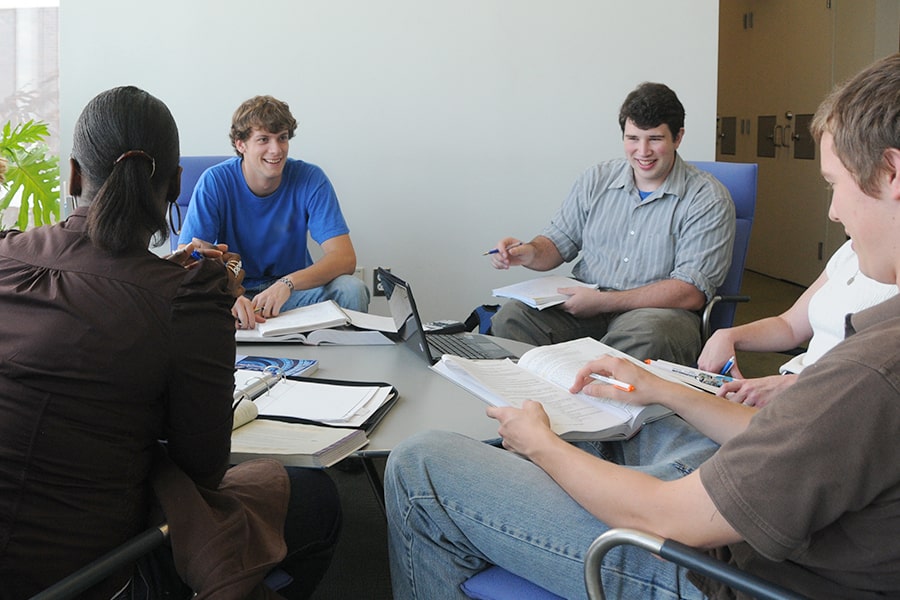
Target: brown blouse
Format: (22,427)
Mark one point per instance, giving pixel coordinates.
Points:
(100,357)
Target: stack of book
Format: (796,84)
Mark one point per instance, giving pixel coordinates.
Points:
(302,421)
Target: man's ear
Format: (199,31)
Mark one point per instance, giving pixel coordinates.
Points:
(892,159)
(174,186)
(74,178)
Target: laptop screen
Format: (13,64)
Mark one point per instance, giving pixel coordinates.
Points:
(403,310)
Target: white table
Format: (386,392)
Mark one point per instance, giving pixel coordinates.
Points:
(427,400)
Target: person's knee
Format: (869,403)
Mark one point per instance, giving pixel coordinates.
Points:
(657,333)
(513,322)
(350,292)
(412,458)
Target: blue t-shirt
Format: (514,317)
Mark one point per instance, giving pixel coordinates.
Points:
(268,232)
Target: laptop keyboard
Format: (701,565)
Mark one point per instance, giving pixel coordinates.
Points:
(453,344)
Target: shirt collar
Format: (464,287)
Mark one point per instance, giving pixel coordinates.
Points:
(675,184)
(871,317)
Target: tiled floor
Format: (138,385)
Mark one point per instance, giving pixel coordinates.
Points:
(360,568)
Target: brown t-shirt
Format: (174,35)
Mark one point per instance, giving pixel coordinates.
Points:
(100,357)
(813,484)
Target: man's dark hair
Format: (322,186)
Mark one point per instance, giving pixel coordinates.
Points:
(650,105)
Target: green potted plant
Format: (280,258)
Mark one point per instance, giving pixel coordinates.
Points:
(32,173)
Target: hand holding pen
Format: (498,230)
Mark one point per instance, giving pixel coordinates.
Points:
(726,368)
(503,257)
(189,255)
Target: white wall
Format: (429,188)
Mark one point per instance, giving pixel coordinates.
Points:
(444,125)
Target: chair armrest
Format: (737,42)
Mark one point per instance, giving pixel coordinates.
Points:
(100,569)
(707,312)
(680,554)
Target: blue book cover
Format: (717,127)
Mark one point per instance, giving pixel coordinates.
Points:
(280,366)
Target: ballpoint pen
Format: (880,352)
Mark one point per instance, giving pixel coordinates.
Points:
(727,367)
(625,387)
(495,250)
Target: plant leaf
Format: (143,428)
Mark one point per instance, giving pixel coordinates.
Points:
(31,170)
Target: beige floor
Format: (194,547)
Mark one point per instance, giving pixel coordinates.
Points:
(768,297)
(360,567)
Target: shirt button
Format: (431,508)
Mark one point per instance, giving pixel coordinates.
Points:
(631,233)
(626,259)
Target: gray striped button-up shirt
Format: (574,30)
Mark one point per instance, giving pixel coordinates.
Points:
(684,230)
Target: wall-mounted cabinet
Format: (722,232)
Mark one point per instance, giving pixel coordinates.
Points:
(777,61)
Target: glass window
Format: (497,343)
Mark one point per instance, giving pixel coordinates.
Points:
(29,67)
(29,63)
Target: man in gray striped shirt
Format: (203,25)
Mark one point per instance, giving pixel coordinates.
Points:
(655,234)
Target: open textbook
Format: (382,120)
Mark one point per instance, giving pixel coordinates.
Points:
(314,422)
(322,323)
(542,292)
(545,374)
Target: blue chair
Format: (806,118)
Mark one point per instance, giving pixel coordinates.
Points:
(191,169)
(740,178)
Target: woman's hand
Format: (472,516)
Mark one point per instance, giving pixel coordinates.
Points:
(190,255)
(234,268)
(716,352)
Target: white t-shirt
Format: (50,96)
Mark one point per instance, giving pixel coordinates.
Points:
(846,291)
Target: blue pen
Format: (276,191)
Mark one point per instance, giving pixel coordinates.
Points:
(196,255)
(728,364)
(496,251)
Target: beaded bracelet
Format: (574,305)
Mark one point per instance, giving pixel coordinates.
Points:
(287,282)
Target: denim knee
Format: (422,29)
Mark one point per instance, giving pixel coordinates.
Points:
(350,292)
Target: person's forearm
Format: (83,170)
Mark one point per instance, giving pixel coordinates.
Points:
(670,293)
(716,418)
(772,334)
(623,497)
(323,271)
(546,255)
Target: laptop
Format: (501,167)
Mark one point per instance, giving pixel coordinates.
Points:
(434,345)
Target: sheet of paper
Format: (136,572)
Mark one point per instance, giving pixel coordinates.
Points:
(541,292)
(314,401)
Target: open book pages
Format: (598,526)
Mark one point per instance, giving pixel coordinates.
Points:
(295,444)
(545,374)
(542,292)
(326,403)
(322,323)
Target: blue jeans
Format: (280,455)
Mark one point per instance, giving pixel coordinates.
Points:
(456,506)
(348,291)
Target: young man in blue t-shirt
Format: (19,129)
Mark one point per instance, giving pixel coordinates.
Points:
(263,205)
